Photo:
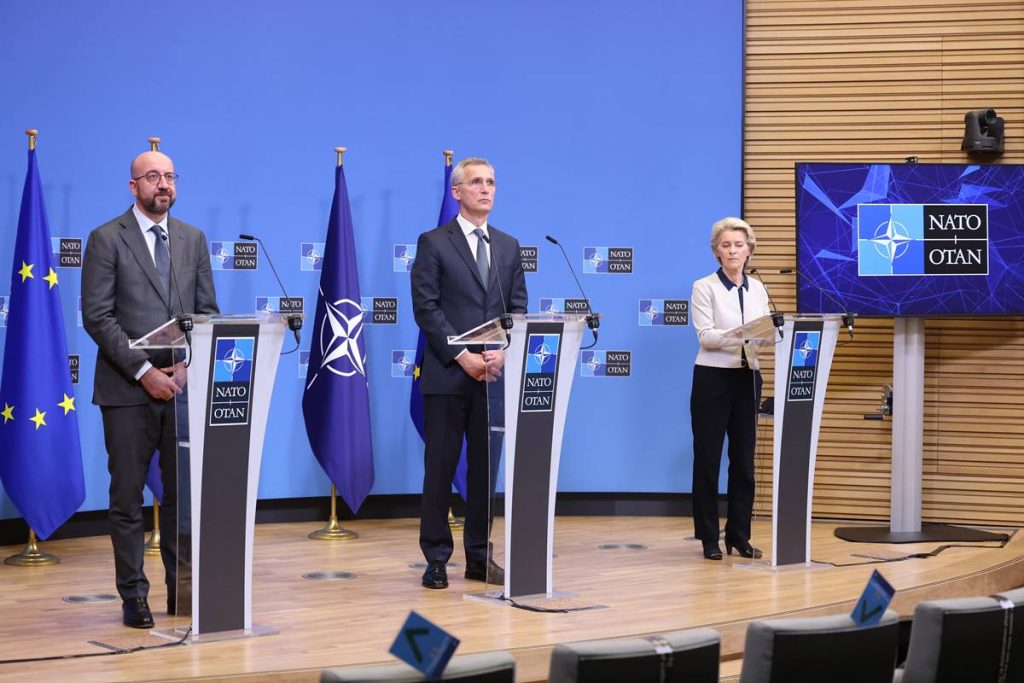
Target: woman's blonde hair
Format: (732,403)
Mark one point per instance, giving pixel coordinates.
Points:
(731,223)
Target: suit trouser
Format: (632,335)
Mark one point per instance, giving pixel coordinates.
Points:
(132,434)
(723,402)
(447,419)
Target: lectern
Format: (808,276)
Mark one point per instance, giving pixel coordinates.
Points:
(527,407)
(803,358)
(221,418)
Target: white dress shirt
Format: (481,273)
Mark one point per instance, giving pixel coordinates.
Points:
(474,241)
(715,309)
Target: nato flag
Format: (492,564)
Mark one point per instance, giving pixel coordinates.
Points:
(449,210)
(40,454)
(336,403)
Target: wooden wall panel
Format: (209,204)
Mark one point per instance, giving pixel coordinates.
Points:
(880,80)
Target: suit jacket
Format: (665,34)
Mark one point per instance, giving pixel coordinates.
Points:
(449,298)
(122,299)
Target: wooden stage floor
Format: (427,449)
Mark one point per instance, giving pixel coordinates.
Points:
(665,587)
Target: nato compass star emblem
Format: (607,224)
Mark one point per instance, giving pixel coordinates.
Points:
(542,354)
(651,312)
(313,257)
(806,349)
(222,256)
(340,330)
(891,239)
(406,258)
(596,259)
(233,359)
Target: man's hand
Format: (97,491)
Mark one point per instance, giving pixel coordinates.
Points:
(178,373)
(473,364)
(494,361)
(159,384)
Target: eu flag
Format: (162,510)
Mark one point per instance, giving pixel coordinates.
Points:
(40,454)
(449,210)
(336,403)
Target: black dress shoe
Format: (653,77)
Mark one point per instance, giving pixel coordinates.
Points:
(485,571)
(135,613)
(744,549)
(711,550)
(436,575)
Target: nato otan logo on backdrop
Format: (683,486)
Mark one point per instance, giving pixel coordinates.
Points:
(383,310)
(402,257)
(659,312)
(73,361)
(606,363)
(311,256)
(280,304)
(528,257)
(803,366)
(231,392)
(67,251)
(233,255)
(403,362)
(3,311)
(303,364)
(608,260)
(548,305)
(539,378)
(922,239)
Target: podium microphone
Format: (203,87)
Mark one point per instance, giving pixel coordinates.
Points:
(847,316)
(593,321)
(294,321)
(777,318)
(506,319)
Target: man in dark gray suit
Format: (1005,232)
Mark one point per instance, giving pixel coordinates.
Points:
(461,272)
(140,270)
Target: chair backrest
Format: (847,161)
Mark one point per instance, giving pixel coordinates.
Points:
(690,656)
(831,648)
(967,639)
(487,667)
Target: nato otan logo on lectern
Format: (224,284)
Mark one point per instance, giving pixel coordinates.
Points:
(539,378)
(803,366)
(922,239)
(231,392)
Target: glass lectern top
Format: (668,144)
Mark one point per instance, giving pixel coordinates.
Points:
(491,331)
(170,336)
(759,331)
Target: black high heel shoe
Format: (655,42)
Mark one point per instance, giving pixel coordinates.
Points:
(744,549)
(712,551)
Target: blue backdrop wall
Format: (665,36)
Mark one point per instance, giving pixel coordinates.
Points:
(610,124)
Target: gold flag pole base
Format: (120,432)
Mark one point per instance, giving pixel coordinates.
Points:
(153,544)
(333,531)
(454,523)
(31,556)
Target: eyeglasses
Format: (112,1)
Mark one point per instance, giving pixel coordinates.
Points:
(153,178)
(479,182)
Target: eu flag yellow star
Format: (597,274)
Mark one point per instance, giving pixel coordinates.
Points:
(38,418)
(416,372)
(26,271)
(68,404)
(51,278)
(7,412)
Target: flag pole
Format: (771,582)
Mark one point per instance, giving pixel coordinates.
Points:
(333,531)
(454,523)
(152,546)
(31,556)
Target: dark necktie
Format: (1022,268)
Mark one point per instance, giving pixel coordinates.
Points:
(162,257)
(481,256)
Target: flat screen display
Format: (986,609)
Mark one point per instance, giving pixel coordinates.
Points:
(910,239)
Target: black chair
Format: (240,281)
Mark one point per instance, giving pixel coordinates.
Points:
(831,648)
(967,639)
(690,656)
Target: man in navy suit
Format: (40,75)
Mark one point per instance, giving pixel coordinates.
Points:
(461,272)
